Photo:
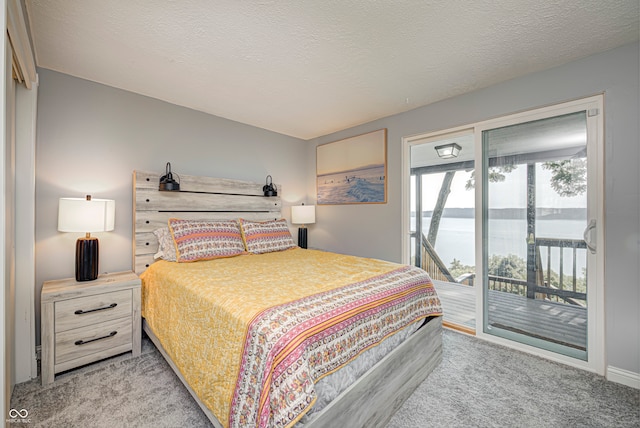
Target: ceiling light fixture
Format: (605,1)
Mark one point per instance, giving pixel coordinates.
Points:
(448,151)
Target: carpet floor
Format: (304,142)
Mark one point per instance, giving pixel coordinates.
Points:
(478,384)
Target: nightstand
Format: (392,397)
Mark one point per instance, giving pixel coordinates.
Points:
(83,322)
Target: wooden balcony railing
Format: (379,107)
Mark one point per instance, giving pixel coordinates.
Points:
(431,262)
(567,292)
(542,289)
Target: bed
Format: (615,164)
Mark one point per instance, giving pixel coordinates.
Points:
(223,332)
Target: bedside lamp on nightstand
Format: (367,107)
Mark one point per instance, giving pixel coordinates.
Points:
(86,215)
(303,214)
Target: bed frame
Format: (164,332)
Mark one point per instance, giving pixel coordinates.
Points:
(373,399)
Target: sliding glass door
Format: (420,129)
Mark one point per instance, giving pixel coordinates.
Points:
(536,227)
(533,181)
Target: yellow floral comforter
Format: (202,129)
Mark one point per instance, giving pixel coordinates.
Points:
(252,334)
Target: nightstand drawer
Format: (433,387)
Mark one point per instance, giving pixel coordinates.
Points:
(83,311)
(92,339)
(87,321)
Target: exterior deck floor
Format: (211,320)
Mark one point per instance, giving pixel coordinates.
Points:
(555,322)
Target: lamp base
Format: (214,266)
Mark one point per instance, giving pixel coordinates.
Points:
(302,237)
(86,259)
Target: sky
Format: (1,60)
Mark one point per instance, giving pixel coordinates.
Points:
(508,194)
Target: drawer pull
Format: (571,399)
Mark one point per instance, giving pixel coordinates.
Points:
(84,342)
(81,312)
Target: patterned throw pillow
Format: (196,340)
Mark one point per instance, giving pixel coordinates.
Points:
(166,247)
(205,240)
(266,236)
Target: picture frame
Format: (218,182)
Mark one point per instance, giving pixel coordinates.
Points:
(353,170)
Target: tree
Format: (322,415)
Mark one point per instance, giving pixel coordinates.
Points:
(497,174)
(445,189)
(569,177)
(457,268)
(511,266)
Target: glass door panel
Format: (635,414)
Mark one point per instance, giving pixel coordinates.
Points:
(534,217)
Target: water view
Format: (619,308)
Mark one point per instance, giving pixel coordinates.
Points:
(508,236)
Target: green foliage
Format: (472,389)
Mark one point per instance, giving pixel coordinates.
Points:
(567,281)
(457,268)
(569,177)
(496,174)
(515,267)
(511,266)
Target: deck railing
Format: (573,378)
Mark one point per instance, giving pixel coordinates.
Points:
(432,263)
(508,285)
(521,287)
(566,291)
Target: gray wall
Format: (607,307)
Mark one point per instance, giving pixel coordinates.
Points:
(90,138)
(375,230)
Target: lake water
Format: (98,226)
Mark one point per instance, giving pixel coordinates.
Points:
(456,239)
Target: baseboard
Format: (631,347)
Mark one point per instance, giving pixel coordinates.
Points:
(624,377)
(458,327)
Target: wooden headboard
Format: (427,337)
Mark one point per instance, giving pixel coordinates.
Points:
(199,198)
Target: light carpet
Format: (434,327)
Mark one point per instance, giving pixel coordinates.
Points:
(478,384)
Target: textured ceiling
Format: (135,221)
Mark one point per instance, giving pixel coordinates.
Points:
(308,68)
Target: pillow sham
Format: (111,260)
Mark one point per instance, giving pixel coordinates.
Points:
(266,236)
(205,240)
(166,246)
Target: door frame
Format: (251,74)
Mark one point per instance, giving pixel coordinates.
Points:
(594,105)
(407,143)
(595,289)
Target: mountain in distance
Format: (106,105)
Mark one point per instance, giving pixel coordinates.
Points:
(542,213)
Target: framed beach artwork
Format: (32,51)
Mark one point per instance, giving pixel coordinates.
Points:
(353,170)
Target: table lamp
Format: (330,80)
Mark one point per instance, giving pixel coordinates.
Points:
(303,214)
(86,215)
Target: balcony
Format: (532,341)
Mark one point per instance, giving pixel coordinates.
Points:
(552,309)
(560,323)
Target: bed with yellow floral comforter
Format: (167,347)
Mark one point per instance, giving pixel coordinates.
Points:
(252,334)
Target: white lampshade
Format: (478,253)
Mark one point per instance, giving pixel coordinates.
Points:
(86,215)
(303,214)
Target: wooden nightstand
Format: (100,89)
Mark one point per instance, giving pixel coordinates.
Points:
(82,322)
